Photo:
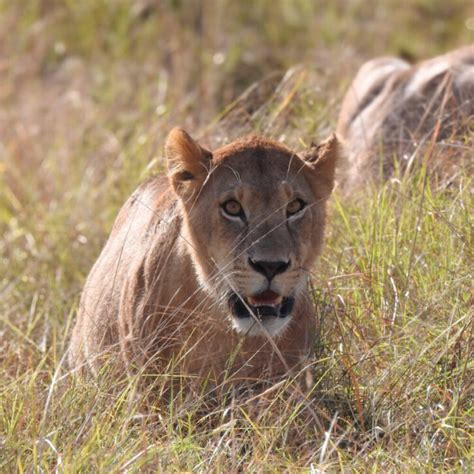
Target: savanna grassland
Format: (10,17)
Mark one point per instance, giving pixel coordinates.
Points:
(88,91)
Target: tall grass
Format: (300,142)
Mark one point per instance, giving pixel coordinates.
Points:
(88,91)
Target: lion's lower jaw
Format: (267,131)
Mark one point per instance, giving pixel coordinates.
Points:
(274,327)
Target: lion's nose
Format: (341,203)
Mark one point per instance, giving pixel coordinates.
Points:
(269,269)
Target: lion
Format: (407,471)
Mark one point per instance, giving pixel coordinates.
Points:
(206,270)
(394,109)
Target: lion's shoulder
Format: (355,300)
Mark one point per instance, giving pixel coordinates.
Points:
(147,203)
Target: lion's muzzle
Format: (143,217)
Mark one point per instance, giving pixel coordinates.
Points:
(269,269)
(262,306)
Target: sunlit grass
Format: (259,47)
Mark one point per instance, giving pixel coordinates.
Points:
(88,93)
(394,358)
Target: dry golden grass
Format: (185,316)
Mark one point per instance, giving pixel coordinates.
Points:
(88,92)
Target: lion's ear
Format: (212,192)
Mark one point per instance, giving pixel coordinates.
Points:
(322,160)
(188,162)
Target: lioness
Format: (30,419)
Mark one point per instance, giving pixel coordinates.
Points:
(393,108)
(208,268)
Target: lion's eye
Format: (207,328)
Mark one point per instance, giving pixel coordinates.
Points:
(295,206)
(233,208)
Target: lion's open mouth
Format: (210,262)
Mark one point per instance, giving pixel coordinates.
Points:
(263,305)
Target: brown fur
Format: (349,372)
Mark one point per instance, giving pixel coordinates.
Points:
(156,296)
(392,108)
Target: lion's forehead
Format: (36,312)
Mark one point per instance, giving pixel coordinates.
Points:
(262,171)
(251,144)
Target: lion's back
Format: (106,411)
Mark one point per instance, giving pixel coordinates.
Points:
(96,328)
(393,107)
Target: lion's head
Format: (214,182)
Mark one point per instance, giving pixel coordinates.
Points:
(254,215)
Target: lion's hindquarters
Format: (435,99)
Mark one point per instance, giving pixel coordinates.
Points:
(392,109)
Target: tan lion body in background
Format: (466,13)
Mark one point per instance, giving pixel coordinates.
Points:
(207,271)
(394,110)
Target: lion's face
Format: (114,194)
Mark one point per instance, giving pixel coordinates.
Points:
(254,214)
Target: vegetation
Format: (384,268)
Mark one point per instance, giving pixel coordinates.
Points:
(88,91)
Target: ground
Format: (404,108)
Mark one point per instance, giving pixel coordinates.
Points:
(88,92)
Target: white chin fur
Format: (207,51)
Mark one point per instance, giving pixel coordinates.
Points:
(249,327)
